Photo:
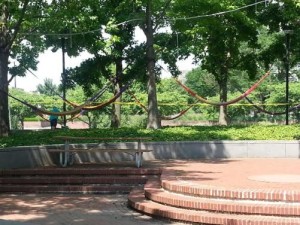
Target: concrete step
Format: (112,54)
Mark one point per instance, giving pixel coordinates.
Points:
(154,192)
(138,201)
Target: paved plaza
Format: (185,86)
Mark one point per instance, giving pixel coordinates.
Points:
(56,209)
(71,210)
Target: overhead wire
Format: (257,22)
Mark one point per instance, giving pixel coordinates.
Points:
(140,19)
(218,13)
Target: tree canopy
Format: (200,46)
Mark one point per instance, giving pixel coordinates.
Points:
(222,36)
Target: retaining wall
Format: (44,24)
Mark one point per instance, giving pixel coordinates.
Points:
(35,156)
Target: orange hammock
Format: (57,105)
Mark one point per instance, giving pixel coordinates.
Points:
(201,99)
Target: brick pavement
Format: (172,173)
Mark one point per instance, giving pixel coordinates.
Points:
(258,174)
(54,209)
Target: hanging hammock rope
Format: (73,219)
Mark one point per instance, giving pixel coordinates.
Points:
(245,94)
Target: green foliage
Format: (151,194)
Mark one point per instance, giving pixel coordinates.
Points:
(134,121)
(171,98)
(197,133)
(229,46)
(48,88)
(202,82)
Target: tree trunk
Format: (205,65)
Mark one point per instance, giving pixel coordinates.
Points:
(154,121)
(223,119)
(116,110)
(4,114)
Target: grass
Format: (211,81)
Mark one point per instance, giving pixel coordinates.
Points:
(194,133)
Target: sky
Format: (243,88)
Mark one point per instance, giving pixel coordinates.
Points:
(50,66)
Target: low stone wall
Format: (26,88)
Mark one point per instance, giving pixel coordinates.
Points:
(35,156)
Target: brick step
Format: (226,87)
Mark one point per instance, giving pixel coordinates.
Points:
(227,193)
(68,189)
(74,180)
(154,192)
(138,201)
(80,171)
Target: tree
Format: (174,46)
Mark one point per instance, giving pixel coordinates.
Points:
(48,88)
(218,40)
(119,49)
(18,19)
(285,17)
(201,82)
(110,53)
(154,11)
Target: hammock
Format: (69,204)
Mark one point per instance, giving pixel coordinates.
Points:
(245,94)
(260,109)
(138,102)
(172,117)
(93,98)
(74,111)
(40,111)
(101,105)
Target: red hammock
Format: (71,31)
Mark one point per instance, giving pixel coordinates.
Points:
(245,94)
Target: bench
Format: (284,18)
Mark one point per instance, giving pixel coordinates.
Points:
(66,155)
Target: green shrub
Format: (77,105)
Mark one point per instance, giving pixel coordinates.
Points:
(194,133)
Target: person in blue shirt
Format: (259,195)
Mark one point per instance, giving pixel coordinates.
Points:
(53,118)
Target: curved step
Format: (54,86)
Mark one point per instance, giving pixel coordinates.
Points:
(220,192)
(161,196)
(138,201)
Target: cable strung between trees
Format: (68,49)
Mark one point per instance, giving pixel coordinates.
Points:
(201,99)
